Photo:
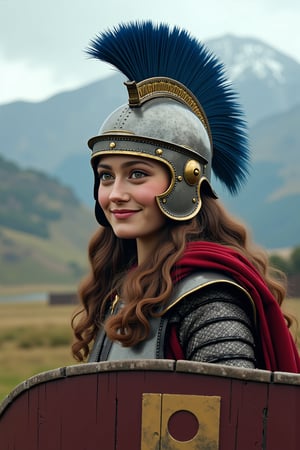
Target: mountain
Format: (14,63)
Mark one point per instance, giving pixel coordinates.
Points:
(31,200)
(270,201)
(41,135)
(268,81)
(274,223)
(44,230)
(51,136)
(276,139)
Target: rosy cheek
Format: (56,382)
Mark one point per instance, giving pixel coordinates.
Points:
(102,197)
(144,195)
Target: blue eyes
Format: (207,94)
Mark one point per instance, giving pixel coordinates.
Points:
(104,176)
(138,174)
(135,174)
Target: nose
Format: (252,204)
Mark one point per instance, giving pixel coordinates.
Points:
(119,192)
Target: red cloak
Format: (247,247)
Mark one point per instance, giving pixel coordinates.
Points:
(279,350)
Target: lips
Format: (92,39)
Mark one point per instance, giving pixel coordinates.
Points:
(123,213)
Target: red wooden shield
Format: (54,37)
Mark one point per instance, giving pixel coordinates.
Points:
(157,404)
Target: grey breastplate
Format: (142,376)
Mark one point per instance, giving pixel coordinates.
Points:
(153,347)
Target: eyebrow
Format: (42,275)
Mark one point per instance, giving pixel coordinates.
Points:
(126,164)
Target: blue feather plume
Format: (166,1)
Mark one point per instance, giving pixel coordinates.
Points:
(143,50)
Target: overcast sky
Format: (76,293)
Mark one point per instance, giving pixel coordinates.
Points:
(42,41)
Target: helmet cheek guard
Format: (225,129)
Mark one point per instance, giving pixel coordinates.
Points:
(142,132)
(181,111)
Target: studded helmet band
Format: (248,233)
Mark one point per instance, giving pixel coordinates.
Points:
(181,111)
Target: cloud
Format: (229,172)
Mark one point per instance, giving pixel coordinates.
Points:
(57,31)
(47,38)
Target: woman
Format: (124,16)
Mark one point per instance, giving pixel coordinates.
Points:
(172,274)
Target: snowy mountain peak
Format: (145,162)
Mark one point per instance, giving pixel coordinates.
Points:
(262,62)
(246,57)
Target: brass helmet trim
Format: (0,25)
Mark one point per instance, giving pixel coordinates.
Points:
(167,62)
(156,87)
(182,109)
(181,200)
(139,144)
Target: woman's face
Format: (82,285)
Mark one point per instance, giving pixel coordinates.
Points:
(127,190)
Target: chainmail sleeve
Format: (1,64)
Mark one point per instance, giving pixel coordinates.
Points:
(216,325)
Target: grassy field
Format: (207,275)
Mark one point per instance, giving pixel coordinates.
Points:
(35,337)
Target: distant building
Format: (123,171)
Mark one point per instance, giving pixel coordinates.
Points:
(62,298)
(294,285)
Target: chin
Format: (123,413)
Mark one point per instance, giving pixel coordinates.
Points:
(124,234)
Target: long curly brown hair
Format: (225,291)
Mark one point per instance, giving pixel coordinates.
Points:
(150,283)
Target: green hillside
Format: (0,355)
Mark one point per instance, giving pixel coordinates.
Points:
(31,200)
(44,230)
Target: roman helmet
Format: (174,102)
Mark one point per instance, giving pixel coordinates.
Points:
(181,111)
